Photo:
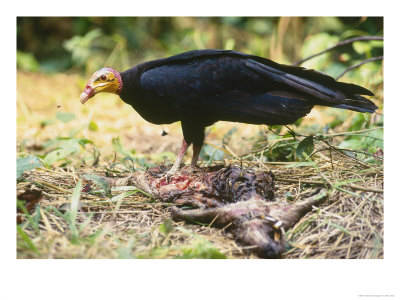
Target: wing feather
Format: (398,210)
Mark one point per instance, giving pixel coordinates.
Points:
(231,86)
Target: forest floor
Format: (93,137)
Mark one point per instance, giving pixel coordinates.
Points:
(106,136)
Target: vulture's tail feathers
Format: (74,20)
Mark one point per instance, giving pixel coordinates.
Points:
(354,100)
(358,103)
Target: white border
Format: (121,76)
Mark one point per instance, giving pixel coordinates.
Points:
(197,279)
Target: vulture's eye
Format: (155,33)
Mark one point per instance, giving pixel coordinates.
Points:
(103,77)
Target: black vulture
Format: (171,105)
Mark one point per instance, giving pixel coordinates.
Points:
(202,87)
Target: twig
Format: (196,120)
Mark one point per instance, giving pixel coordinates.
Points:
(319,171)
(120,212)
(342,152)
(46,221)
(352,132)
(360,64)
(361,152)
(319,137)
(340,44)
(52,186)
(322,135)
(353,186)
(349,248)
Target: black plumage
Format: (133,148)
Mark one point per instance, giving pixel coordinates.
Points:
(201,87)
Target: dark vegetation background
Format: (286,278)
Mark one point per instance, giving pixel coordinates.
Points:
(85,44)
(60,137)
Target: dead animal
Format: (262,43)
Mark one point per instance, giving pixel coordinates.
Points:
(240,200)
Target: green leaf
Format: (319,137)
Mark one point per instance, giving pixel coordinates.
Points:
(211,153)
(305,146)
(76,194)
(47,122)
(378,135)
(300,164)
(315,43)
(289,196)
(229,44)
(116,142)
(27,240)
(51,143)
(84,141)
(200,248)
(362,47)
(65,117)
(377,44)
(100,182)
(166,227)
(72,212)
(121,197)
(93,126)
(359,121)
(352,33)
(66,148)
(27,163)
(80,46)
(340,228)
(55,156)
(354,143)
(228,136)
(124,188)
(27,62)
(298,122)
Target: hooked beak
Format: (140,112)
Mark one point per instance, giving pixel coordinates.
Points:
(87,93)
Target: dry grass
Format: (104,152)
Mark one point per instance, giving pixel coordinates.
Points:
(348,225)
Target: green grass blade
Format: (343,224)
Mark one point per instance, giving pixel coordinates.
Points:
(26,238)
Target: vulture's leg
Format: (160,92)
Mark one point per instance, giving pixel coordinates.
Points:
(179,159)
(193,134)
(196,153)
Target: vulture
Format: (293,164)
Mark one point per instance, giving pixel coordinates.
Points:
(201,87)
